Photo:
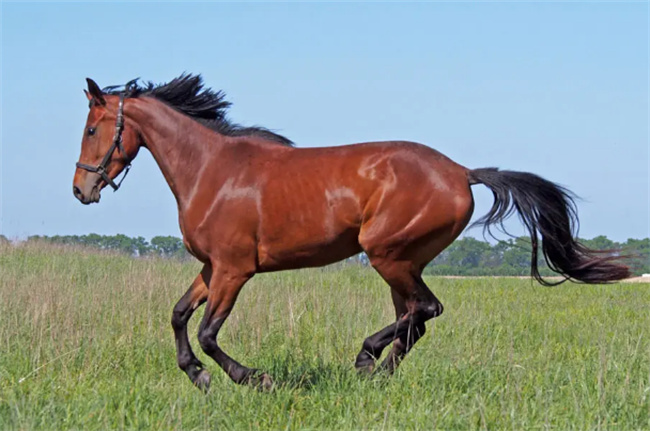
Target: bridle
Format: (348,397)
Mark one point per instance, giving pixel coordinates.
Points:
(117,143)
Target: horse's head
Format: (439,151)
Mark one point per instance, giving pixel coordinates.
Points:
(109,143)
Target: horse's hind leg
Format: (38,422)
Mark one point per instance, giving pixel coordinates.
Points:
(187,361)
(402,345)
(419,305)
(402,233)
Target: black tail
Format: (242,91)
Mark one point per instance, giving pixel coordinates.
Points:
(550,211)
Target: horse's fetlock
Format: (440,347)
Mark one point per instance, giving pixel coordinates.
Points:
(369,347)
(186,359)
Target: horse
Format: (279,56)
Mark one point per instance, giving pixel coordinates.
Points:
(250,202)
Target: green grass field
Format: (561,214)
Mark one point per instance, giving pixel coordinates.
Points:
(86,343)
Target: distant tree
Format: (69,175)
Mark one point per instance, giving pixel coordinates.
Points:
(141,246)
(467,252)
(638,251)
(518,253)
(120,243)
(494,257)
(469,256)
(168,246)
(600,242)
(93,240)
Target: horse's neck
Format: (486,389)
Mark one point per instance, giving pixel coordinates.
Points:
(178,144)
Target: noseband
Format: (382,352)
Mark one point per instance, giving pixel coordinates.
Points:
(117,143)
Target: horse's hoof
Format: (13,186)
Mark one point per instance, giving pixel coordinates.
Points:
(203,381)
(365,370)
(262,382)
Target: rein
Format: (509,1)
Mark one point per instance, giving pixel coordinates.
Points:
(117,144)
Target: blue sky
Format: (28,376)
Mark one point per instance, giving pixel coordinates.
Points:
(558,89)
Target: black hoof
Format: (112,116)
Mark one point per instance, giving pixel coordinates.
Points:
(365,370)
(365,363)
(365,367)
(202,381)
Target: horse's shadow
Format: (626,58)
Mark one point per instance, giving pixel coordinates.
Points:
(315,377)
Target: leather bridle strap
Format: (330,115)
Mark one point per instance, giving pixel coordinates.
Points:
(101,169)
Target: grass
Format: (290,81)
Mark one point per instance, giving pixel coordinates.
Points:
(86,343)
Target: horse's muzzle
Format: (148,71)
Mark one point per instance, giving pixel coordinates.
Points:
(87,198)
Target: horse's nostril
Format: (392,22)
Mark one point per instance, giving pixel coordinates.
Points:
(76,191)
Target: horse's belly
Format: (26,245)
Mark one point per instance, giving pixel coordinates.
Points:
(297,249)
(308,225)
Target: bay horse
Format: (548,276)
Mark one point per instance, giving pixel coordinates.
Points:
(250,202)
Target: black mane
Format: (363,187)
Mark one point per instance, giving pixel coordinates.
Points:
(187,94)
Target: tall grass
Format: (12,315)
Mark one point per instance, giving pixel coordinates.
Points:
(85,343)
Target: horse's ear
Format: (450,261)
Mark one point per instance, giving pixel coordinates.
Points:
(94,92)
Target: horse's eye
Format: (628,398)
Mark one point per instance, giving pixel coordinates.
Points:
(91,131)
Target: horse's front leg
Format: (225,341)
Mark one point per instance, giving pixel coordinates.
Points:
(193,298)
(224,287)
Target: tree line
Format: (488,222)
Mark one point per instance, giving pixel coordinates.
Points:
(465,256)
(163,246)
(469,256)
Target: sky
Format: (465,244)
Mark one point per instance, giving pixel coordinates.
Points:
(558,89)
